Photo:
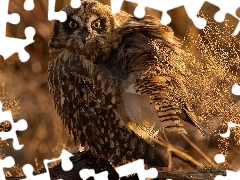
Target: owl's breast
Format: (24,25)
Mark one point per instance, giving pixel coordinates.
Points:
(135,107)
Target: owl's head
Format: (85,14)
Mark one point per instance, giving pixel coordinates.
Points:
(93,31)
(89,30)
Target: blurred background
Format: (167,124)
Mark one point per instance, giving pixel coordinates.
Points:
(46,135)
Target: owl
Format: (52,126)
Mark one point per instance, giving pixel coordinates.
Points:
(111,76)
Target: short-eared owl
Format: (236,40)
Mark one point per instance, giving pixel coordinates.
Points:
(110,73)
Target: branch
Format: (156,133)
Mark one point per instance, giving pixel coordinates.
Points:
(82,160)
(191,174)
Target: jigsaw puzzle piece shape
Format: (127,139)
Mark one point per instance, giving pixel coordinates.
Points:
(229,6)
(219,158)
(13,45)
(7,162)
(21,125)
(225,8)
(28,171)
(61,15)
(236,89)
(28,5)
(75,3)
(237,30)
(212,9)
(229,175)
(87,173)
(64,157)
(139,11)
(66,162)
(162,6)
(9,46)
(227,133)
(66,166)
(192,9)
(5,17)
(137,167)
(116,5)
(52,14)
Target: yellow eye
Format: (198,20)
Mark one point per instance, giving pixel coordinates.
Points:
(72,24)
(97,24)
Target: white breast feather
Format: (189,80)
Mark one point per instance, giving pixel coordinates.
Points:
(137,107)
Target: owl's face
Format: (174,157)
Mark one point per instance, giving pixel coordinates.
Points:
(91,22)
(89,30)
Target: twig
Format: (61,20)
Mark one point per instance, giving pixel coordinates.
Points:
(190,175)
(198,150)
(171,148)
(234,149)
(169,153)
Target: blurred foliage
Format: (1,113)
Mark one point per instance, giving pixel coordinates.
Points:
(46,135)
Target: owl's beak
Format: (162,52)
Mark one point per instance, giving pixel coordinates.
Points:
(84,35)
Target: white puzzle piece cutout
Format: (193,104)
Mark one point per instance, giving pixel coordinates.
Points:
(20,125)
(7,162)
(66,166)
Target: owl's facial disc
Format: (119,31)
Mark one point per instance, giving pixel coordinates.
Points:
(74,23)
(71,25)
(98,25)
(95,26)
(92,29)
(88,29)
(84,35)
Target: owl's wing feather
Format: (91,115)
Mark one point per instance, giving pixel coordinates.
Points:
(140,51)
(170,109)
(192,118)
(152,28)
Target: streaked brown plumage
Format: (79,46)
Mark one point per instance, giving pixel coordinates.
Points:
(108,71)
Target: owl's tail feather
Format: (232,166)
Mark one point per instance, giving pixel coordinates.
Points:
(191,118)
(171,115)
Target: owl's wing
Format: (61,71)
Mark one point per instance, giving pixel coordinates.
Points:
(153,29)
(153,92)
(166,95)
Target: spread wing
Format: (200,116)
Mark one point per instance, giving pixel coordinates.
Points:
(168,97)
(154,91)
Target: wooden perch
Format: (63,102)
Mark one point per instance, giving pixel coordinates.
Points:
(190,175)
(85,160)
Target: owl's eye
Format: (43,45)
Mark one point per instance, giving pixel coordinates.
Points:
(97,24)
(72,24)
